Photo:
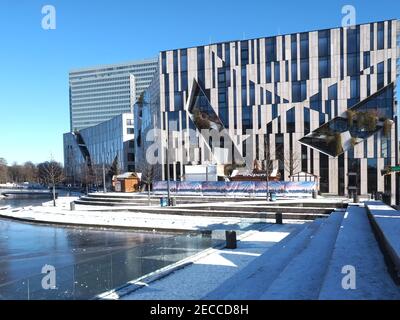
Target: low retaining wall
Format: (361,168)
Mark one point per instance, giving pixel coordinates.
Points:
(385,222)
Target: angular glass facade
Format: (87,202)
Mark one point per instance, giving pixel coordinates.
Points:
(87,150)
(295,95)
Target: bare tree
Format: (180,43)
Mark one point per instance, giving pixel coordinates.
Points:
(148,175)
(15,173)
(3,170)
(51,174)
(268,163)
(29,172)
(291,161)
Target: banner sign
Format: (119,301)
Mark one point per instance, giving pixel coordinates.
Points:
(259,188)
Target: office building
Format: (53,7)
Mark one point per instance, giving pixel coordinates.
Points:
(107,143)
(322,102)
(98,94)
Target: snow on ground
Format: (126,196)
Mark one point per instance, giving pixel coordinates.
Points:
(356,246)
(208,272)
(81,216)
(306,271)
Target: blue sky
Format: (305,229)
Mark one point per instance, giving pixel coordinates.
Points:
(34,63)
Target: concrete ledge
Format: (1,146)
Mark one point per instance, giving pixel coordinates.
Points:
(385,222)
(100,226)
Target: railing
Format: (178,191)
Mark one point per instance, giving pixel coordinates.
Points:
(89,278)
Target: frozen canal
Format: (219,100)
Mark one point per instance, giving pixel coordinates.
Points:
(87,261)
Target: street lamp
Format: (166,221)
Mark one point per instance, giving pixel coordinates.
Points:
(168,177)
(104,173)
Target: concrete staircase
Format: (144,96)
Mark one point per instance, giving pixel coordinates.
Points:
(309,264)
(214,206)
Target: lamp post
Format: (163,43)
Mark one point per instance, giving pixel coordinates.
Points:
(86,176)
(104,178)
(267,164)
(104,170)
(168,177)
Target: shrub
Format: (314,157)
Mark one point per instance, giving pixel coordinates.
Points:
(200,121)
(387,127)
(350,117)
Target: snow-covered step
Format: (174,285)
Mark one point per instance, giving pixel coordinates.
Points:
(255,278)
(386,223)
(302,277)
(356,246)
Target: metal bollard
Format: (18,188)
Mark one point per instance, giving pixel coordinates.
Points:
(356,198)
(314,194)
(72,206)
(172,202)
(231,242)
(206,234)
(278,218)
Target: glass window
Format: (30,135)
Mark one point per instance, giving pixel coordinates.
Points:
(175,62)
(371,36)
(184,80)
(219,50)
(372,175)
(244,45)
(324,173)
(277,74)
(294,46)
(200,58)
(381,36)
(274,111)
(164,62)
(380,76)
(304,158)
(291,120)
(324,66)
(353,64)
(227,55)
(299,91)
(304,48)
(332,92)
(353,41)
(296,91)
(221,76)
(354,87)
(294,70)
(268,73)
(324,43)
(268,97)
(305,69)
(270,49)
(244,96)
(178,101)
(306,120)
(183,60)
(367,60)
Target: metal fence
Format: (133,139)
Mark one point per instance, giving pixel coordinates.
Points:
(91,277)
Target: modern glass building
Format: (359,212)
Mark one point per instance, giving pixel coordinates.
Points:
(87,150)
(97,94)
(322,102)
